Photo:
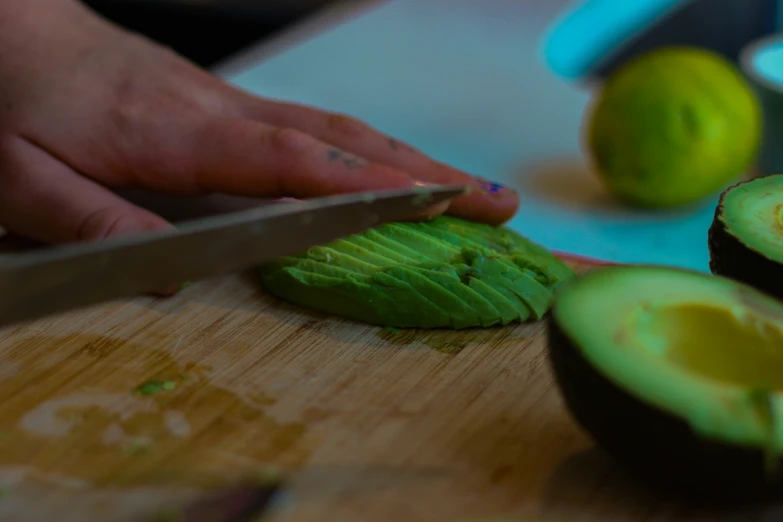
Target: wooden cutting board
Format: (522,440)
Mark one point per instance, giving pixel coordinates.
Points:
(371,424)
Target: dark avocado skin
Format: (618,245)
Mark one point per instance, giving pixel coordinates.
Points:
(655,446)
(730,258)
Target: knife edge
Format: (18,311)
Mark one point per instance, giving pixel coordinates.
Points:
(56,279)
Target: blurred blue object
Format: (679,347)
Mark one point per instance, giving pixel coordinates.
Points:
(592,37)
(591,30)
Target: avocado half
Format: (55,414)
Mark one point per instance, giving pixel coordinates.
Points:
(676,375)
(443,273)
(745,239)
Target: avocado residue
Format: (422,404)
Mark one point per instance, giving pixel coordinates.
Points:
(269,476)
(170,515)
(154,387)
(137,446)
(443,273)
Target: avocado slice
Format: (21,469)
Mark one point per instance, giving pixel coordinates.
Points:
(745,238)
(443,273)
(676,374)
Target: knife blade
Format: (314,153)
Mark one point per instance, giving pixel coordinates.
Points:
(57,279)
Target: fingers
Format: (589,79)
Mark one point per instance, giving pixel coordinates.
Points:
(43,199)
(207,154)
(244,157)
(488,202)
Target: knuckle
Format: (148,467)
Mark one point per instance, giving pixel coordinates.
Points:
(129,93)
(135,101)
(286,141)
(128,111)
(346,125)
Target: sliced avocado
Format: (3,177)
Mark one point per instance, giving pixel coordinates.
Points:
(507,311)
(411,254)
(332,295)
(474,309)
(496,239)
(548,270)
(418,308)
(461,313)
(745,239)
(537,297)
(518,286)
(676,374)
(444,273)
(414,236)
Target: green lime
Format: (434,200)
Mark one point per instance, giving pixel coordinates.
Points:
(673,126)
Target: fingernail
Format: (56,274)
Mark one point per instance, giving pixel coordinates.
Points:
(493,188)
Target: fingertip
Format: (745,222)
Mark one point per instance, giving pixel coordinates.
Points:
(487,202)
(473,209)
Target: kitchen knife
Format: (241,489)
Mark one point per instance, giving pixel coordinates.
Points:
(57,279)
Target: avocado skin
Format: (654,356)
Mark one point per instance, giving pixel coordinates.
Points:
(657,447)
(730,258)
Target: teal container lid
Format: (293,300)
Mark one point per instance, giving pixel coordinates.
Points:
(590,31)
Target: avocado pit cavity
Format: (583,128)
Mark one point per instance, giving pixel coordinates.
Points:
(677,375)
(720,344)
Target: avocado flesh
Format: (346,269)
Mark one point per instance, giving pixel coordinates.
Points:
(676,374)
(745,238)
(444,273)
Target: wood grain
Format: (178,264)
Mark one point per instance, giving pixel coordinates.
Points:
(370,424)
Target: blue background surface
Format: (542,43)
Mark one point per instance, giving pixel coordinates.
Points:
(464,82)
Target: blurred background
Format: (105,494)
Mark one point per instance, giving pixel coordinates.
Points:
(207,31)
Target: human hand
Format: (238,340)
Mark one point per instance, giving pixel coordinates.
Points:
(86,107)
